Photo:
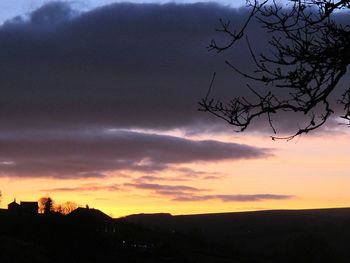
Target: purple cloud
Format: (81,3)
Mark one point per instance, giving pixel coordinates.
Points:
(84,188)
(90,78)
(233,198)
(82,154)
(158,188)
(190,194)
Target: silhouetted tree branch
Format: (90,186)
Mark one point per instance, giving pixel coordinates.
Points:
(68,207)
(46,205)
(310,52)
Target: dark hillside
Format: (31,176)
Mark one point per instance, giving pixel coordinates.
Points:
(320,235)
(88,235)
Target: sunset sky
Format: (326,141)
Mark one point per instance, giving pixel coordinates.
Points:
(99,105)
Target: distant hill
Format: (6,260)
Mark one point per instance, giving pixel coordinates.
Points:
(318,235)
(89,235)
(218,220)
(212,223)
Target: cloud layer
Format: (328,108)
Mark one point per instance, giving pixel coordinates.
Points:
(192,194)
(233,198)
(181,193)
(122,65)
(92,154)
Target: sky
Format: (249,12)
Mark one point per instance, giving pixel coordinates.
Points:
(99,105)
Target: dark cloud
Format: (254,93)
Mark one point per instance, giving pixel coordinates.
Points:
(191,173)
(52,13)
(160,188)
(93,154)
(122,65)
(172,191)
(212,177)
(153,178)
(233,198)
(84,188)
(181,174)
(188,193)
(182,193)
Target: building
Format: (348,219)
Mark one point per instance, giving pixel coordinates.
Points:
(13,206)
(27,208)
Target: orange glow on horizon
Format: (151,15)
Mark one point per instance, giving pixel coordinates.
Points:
(314,170)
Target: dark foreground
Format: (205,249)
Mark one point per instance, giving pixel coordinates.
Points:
(88,235)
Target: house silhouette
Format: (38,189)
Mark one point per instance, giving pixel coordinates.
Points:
(27,208)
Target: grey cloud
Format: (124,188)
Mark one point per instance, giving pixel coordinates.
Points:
(182,174)
(191,173)
(182,193)
(233,198)
(123,65)
(93,154)
(190,194)
(152,178)
(212,177)
(160,187)
(52,13)
(84,188)
(167,190)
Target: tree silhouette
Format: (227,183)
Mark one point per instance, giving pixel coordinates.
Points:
(68,207)
(46,205)
(310,52)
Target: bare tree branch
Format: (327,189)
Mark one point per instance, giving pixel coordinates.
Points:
(310,52)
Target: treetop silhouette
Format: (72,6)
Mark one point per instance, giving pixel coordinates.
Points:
(310,52)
